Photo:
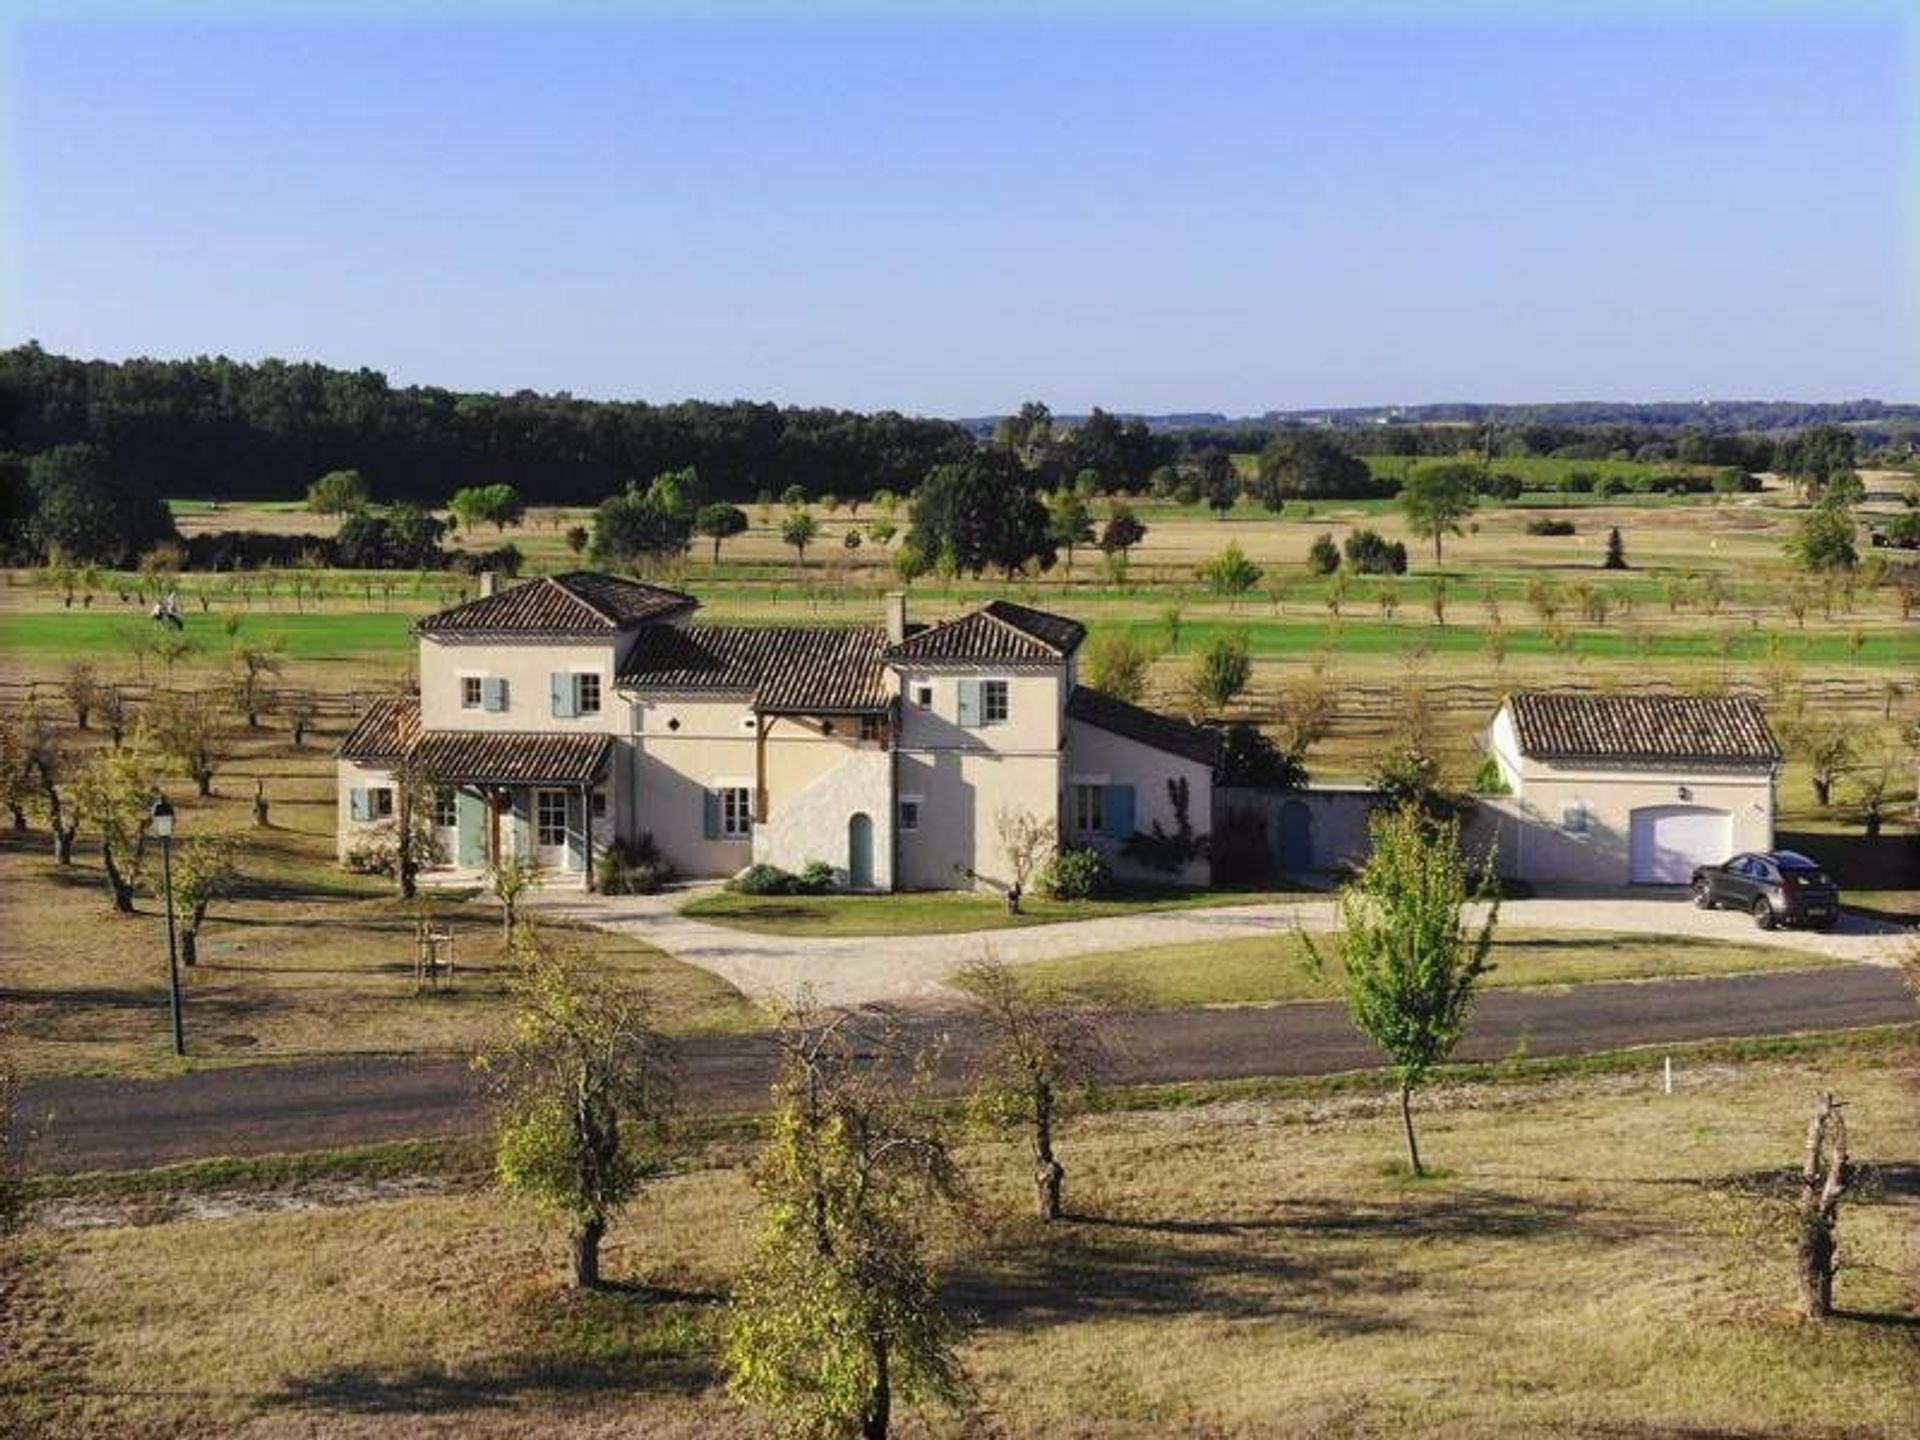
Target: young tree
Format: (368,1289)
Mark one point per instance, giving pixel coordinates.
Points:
(1823,541)
(1122,532)
(1118,663)
(1221,671)
(799,530)
(1407,962)
(255,667)
(19,784)
(1616,551)
(1826,747)
(114,712)
(1323,556)
(1028,841)
(338,492)
(1069,522)
(838,1313)
(299,709)
(186,730)
(1304,713)
(82,686)
(1436,498)
(204,871)
(719,522)
(1044,1052)
(50,764)
(582,1064)
(578,538)
(508,881)
(115,791)
(1230,572)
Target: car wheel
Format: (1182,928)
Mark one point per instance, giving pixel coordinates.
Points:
(1702,895)
(1763,914)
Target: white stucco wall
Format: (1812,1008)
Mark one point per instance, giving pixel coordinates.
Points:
(527,667)
(814,822)
(1099,757)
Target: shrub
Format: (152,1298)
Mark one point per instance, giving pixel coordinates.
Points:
(1075,873)
(506,560)
(762,879)
(1488,780)
(1370,553)
(1547,526)
(636,869)
(1323,556)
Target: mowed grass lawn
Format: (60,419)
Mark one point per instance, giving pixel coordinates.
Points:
(940,912)
(1240,1268)
(1273,969)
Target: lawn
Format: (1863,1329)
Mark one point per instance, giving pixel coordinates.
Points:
(1580,1265)
(304,960)
(1272,969)
(939,912)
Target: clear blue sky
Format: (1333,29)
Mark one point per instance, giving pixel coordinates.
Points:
(948,216)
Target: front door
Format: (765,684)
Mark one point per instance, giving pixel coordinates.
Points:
(860,852)
(550,829)
(446,825)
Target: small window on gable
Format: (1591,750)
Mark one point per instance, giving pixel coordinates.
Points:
(923,696)
(995,707)
(469,692)
(586,692)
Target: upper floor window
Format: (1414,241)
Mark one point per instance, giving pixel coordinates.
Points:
(470,692)
(575,692)
(994,706)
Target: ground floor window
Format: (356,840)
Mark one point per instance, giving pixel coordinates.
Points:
(910,813)
(736,812)
(550,819)
(1089,810)
(446,808)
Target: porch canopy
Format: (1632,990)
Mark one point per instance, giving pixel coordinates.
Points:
(493,759)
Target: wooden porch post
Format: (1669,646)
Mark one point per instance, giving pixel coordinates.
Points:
(586,830)
(760,767)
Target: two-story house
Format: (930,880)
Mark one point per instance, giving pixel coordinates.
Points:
(565,713)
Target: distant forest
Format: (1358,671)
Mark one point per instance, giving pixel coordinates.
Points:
(213,428)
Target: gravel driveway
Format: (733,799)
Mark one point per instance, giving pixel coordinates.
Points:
(845,970)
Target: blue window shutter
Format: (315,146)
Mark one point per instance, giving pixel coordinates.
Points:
(359,806)
(493,692)
(562,685)
(970,704)
(1119,803)
(713,814)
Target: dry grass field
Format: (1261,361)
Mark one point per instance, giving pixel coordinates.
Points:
(1256,1266)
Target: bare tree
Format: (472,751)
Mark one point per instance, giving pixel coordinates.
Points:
(1044,1053)
(1825,1176)
(1028,841)
(82,687)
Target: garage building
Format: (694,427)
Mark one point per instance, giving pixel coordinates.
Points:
(1631,789)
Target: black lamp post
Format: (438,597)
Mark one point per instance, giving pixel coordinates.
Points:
(163,828)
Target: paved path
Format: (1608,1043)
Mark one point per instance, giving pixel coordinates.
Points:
(121,1124)
(845,970)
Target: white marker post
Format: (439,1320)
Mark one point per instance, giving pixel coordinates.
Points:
(1669,1075)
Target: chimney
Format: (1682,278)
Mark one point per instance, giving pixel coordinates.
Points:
(896,616)
(489,582)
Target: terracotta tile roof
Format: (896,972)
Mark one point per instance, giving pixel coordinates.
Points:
(579,603)
(390,732)
(998,630)
(1148,727)
(386,732)
(1642,729)
(512,757)
(786,669)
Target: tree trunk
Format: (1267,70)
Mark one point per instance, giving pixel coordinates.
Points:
(586,1253)
(260,804)
(19,818)
(1049,1175)
(1823,790)
(879,1416)
(203,781)
(190,944)
(1873,824)
(1816,1271)
(1824,1178)
(1406,1120)
(63,837)
(118,885)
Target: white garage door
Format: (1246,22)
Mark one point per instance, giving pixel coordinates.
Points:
(1668,841)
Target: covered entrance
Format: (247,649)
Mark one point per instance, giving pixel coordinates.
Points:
(512,795)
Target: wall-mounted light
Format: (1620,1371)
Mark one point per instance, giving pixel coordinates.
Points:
(1685,793)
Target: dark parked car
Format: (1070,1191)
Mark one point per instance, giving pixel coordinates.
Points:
(1780,887)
